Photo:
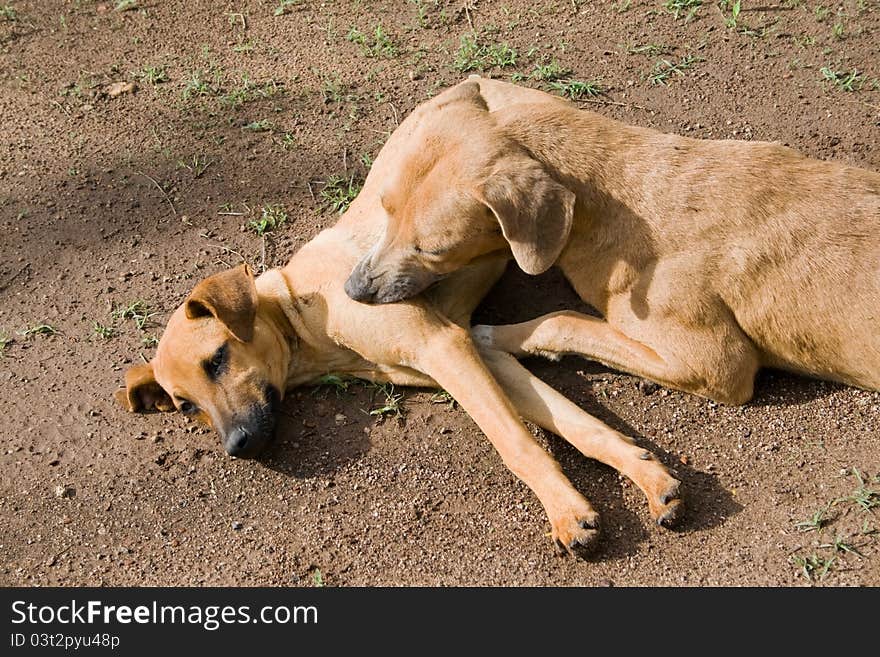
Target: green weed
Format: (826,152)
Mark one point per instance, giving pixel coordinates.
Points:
(471,56)
(379,44)
(137,311)
(285,7)
(813,566)
(339,192)
(103,332)
(814,522)
(271,217)
(392,402)
(39,329)
(686,8)
(152,75)
(577,89)
(845,81)
(665,69)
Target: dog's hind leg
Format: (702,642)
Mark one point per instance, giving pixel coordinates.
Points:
(541,404)
(719,363)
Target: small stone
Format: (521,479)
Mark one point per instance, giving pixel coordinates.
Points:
(236,525)
(340,419)
(119,88)
(64,491)
(648,387)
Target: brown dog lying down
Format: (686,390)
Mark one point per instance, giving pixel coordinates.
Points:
(707,259)
(236,344)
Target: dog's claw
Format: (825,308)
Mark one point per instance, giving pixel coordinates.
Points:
(669,508)
(577,534)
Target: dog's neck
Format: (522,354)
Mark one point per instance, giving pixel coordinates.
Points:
(581,149)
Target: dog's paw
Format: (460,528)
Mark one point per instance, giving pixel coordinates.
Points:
(576,531)
(667,507)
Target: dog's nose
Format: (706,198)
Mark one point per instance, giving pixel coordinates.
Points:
(237,441)
(359,287)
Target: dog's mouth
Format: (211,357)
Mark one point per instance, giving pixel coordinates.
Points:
(252,431)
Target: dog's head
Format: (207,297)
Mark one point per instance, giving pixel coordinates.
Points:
(461,189)
(222,360)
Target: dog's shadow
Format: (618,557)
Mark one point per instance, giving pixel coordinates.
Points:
(320,431)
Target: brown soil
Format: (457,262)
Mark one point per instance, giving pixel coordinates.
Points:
(107,199)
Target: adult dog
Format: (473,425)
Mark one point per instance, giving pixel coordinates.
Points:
(707,259)
(236,344)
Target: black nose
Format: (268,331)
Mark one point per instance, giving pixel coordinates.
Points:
(358,287)
(237,441)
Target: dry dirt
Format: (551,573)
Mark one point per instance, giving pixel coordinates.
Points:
(111,195)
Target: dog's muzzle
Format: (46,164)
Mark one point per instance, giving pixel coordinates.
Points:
(364,287)
(251,432)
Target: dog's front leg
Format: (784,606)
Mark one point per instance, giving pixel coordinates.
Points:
(452,360)
(541,404)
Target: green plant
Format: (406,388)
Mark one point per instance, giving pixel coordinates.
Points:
(338,384)
(863,497)
(391,406)
(821,12)
(40,329)
(317,578)
(149,340)
(198,164)
(379,45)
(137,311)
(814,567)
(650,49)
(814,522)
(851,81)
(198,85)
(103,332)
(550,72)
(152,75)
(5,341)
(471,56)
(8,13)
(686,8)
(444,398)
(125,5)
(664,68)
(271,217)
(735,8)
(284,7)
(577,89)
(263,125)
(339,192)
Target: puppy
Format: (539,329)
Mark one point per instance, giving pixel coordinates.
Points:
(237,344)
(707,259)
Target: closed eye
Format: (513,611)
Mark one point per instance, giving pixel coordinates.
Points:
(216,365)
(430,252)
(187,407)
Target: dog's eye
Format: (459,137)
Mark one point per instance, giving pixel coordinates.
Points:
(430,252)
(187,407)
(214,367)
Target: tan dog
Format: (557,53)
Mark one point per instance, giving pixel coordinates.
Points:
(707,259)
(237,344)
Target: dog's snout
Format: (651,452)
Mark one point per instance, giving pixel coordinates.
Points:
(237,441)
(359,286)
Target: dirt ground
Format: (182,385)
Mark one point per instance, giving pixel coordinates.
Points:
(115,201)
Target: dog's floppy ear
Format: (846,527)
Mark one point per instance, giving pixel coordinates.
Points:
(142,392)
(535,211)
(231,297)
